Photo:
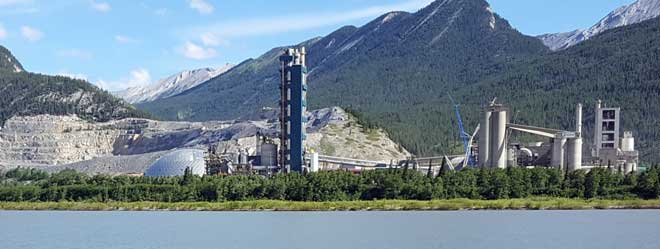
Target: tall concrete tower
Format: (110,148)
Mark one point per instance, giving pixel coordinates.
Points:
(574,145)
(607,128)
(293,106)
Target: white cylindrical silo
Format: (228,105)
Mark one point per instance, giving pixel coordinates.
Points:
(574,150)
(558,150)
(628,142)
(484,140)
(498,139)
(314,164)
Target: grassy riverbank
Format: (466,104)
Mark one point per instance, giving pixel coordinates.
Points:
(387,205)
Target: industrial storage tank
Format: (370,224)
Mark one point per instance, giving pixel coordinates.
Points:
(498,148)
(574,148)
(628,142)
(176,162)
(484,140)
(268,154)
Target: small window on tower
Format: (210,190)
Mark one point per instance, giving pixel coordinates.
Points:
(608,126)
(609,114)
(608,137)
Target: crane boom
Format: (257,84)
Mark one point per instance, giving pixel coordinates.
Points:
(464,135)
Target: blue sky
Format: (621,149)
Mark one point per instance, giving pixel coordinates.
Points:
(117,44)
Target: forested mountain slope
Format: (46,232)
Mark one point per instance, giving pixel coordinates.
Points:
(395,71)
(23,93)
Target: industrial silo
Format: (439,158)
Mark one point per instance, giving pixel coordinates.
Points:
(574,148)
(492,137)
(484,139)
(498,138)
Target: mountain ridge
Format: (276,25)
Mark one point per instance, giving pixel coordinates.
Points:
(636,12)
(172,85)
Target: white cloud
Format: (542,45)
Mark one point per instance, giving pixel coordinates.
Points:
(282,24)
(100,6)
(75,53)
(3,32)
(124,39)
(31,34)
(138,77)
(210,39)
(193,51)
(201,6)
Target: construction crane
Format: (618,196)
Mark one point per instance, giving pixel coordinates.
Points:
(464,135)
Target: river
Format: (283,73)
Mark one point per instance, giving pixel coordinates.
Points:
(331,230)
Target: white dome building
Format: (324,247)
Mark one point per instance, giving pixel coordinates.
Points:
(176,162)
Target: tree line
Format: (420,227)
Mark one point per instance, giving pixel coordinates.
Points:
(404,184)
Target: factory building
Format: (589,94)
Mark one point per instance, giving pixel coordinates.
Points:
(609,149)
(561,149)
(607,128)
(268,157)
(564,149)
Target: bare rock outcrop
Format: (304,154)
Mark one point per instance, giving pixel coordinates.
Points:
(59,142)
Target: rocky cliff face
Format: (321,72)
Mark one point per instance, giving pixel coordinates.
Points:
(52,140)
(9,62)
(68,141)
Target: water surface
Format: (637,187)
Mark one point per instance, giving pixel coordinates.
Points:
(331,230)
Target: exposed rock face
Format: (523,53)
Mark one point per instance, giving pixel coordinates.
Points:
(636,12)
(334,133)
(172,85)
(130,145)
(52,140)
(9,62)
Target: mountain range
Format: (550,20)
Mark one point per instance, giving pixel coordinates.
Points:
(397,71)
(399,67)
(172,85)
(636,12)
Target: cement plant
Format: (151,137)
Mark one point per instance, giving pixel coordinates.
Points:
(489,146)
